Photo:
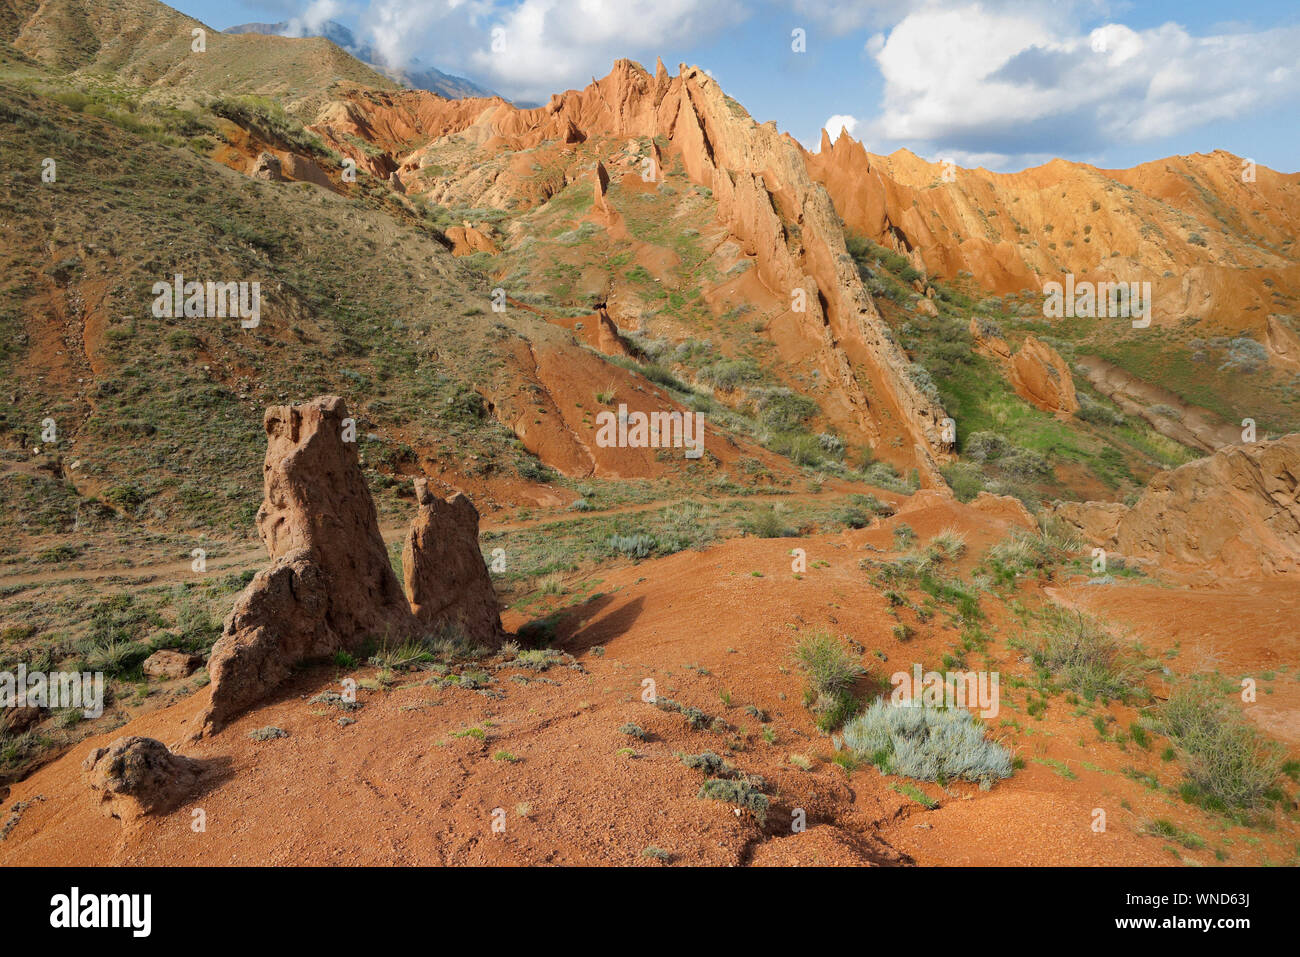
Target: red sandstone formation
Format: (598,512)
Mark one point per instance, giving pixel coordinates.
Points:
(330,586)
(466,240)
(1014,231)
(1040,376)
(765,198)
(446,580)
(1037,372)
(1235,513)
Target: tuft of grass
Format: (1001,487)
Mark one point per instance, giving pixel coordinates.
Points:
(832,673)
(768,522)
(1087,658)
(399,657)
(1060,767)
(1161,827)
(1228,764)
(1020,555)
(916,794)
(538,659)
(950,543)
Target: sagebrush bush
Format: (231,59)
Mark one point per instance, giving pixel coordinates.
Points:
(711,764)
(634,546)
(741,793)
(928,744)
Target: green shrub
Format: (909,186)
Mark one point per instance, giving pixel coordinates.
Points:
(781,410)
(1228,763)
(738,792)
(904,536)
(711,764)
(767,522)
(1018,555)
(1086,658)
(269,733)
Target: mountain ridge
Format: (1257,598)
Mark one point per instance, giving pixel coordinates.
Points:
(416,75)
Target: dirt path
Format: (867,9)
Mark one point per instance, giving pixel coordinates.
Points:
(1192,426)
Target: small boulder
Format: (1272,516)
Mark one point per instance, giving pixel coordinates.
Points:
(1006,507)
(136,776)
(170,664)
(267,167)
(17,720)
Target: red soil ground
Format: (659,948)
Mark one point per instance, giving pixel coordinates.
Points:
(406,785)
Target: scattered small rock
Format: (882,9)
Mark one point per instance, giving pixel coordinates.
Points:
(269,733)
(171,664)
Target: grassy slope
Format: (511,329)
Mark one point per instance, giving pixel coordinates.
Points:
(1110,453)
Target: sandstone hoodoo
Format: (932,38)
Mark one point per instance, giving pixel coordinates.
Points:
(330,586)
(136,776)
(446,579)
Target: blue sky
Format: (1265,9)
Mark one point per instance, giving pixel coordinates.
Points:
(1000,83)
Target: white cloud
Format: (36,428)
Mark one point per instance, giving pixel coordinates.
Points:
(404,29)
(1023,81)
(838,122)
(529,49)
(546,46)
(309,22)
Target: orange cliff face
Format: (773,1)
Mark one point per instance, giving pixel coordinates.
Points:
(765,199)
(1213,235)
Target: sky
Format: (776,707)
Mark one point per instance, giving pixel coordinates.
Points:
(1004,84)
